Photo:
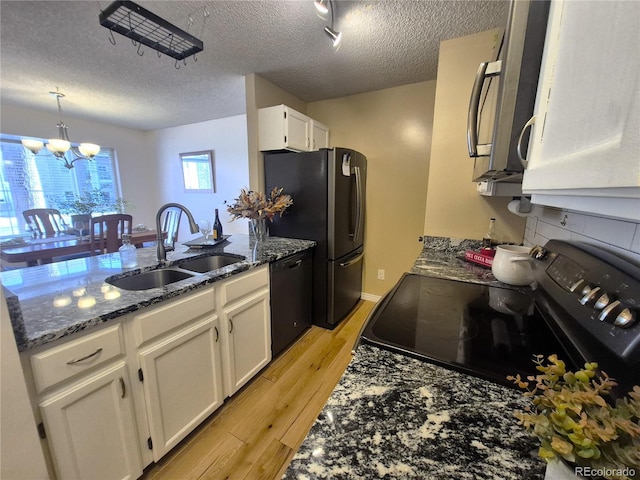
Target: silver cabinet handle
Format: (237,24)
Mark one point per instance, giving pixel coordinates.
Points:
(86,357)
(123,388)
(529,124)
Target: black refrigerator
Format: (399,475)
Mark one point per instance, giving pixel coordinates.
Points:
(328,188)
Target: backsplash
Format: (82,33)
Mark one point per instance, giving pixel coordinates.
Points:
(618,236)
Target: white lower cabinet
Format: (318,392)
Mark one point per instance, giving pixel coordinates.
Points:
(118,397)
(246,326)
(91,428)
(247,340)
(182,382)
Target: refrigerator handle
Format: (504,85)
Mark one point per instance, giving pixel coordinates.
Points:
(484,70)
(351,262)
(359,204)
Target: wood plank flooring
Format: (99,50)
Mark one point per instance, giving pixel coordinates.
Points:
(256,433)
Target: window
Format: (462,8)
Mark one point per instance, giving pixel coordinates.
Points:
(197,171)
(41,181)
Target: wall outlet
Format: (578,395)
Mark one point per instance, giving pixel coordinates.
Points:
(381,274)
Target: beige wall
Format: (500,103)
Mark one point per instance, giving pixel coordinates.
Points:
(392,128)
(454,208)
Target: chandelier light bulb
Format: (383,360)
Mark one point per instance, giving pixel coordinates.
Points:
(33,145)
(89,149)
(58,145)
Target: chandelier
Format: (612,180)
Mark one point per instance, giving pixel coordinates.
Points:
(61,145)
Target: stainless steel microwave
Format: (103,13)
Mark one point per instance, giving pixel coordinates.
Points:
(503,95)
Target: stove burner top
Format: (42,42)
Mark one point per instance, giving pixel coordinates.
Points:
(586,308)
(486,331)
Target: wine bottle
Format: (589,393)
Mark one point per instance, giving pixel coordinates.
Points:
(490,238)
(217,227)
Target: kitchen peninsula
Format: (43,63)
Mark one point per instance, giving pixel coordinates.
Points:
(142,367)
(393,416)
(36,296)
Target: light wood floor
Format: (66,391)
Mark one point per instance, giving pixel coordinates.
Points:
(256,433)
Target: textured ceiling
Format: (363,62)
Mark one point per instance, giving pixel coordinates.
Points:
(49,44)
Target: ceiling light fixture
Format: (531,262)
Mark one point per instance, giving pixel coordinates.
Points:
(323,7)
(61,145)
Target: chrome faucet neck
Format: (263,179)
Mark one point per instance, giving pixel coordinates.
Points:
(193,226)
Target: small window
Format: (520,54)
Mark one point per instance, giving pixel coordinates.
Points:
(197,171)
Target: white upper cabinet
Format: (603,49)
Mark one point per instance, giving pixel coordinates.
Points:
(319,135)
(283,128)
(584,152)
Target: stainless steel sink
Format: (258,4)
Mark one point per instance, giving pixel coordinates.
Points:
(151,279)
(207,264)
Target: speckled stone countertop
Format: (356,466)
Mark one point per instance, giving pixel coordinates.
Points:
(45,302)
(444,258)
(395,417)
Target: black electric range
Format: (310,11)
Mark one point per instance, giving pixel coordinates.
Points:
(583,308)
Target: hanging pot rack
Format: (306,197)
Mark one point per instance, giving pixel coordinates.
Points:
(146,28)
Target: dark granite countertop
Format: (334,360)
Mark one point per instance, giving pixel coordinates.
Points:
(44,302)
(395,417)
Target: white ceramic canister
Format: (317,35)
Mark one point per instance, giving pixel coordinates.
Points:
(512,265)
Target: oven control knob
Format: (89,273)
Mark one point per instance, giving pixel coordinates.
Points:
(625,318)
(577,287)
(607,314)
(590,296)
(602,301)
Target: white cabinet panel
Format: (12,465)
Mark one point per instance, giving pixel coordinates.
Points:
(182,383)
(247,340)
(319,135)
(90,428)
(283,128)
(585,142)
(72,358)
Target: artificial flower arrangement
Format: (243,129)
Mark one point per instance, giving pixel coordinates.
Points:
(576,420)
(256,205)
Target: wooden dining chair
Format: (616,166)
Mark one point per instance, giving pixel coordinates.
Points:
(44,221)
(170,223)
(105,232)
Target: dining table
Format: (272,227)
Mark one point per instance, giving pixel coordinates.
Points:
(41,249)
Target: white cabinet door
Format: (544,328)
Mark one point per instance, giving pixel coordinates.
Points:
(91,429)
(283,128)
(319,135)
(585,144)
(182,381)
(247,339)
(297,130)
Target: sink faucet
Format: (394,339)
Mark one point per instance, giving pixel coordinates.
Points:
(193,226)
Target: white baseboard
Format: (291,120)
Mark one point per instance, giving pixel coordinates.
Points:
(370,297)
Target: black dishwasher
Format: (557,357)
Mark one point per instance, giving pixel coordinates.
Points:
(291,297)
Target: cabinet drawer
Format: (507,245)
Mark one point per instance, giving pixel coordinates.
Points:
(60,363)
(172,314)
(244,284)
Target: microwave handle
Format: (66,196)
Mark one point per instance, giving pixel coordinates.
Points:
(529,124)
(485,70)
